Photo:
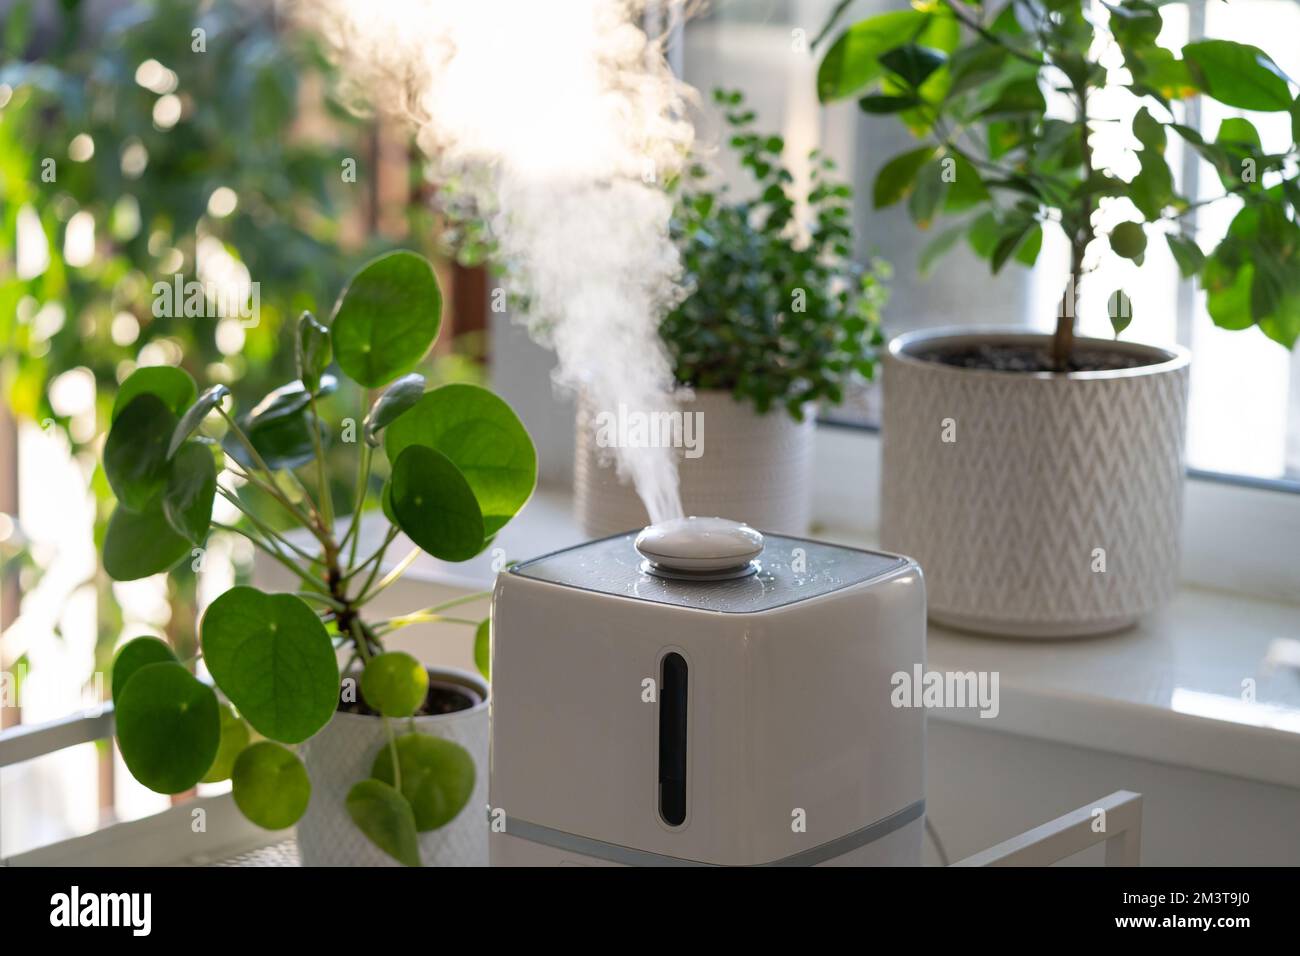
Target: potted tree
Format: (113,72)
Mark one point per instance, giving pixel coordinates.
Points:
(1038,478)
(390,759)
(777,317)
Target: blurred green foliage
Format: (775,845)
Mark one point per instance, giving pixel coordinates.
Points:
(778,312)
(149,183)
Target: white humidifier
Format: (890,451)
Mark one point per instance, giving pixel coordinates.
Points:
(702,694)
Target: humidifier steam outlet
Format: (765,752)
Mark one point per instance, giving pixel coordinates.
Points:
(699,549)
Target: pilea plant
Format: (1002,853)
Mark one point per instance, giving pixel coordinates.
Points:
(460,466)
(972,81)
(777,312)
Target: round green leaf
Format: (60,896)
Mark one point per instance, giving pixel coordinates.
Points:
(168,727)
(191,487)
(394,683)
(1128,239)
(173,386)
(139,545)
(386,318)
(483,648)
(435,505)
(383,815)
(234,738)
(312,350)
(484,439)
(135,455)
(194,415)
(270,785)
(396,399)
(272,657)
(437,777)
(135,654)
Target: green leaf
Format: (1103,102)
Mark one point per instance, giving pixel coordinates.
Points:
(312,351)
(283,441)
(394,684)
(936,248)
(191,487)
(437,777)
(1120,309)
(168,727)
(879,104)
(1128,239)
(234,738)
(483,648)
(1237,129)
(395,400)
(386,318)
(983,235)
(895,179)
(140,544)
(1152,189)
(435,505)
(483,438)
(270,785)
(1187,254)
(1149,131)
(272,657)
(1012,234)
(384,815)
(135,455)
(194,415)
(135,654)
(289,400)
(965,188)
(853,59)
(172,386)
(927,193)
(1228,293)
(1030,246)
(1237,74)
(912,62)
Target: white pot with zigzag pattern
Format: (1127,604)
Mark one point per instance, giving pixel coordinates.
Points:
(1038,504)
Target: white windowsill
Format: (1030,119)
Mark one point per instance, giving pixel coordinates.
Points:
(1169,691)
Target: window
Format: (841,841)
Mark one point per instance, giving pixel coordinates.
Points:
(1244,414)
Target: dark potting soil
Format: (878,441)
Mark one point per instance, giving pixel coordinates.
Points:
(1028,358)
(440,699)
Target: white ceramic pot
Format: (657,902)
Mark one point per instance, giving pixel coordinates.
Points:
(1038,505)
(752,468)
(342,754)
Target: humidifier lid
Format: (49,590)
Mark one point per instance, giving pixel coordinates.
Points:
(787,570)
(695,548)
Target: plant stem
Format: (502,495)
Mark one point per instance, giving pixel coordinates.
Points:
(376,558)
(322,480)
(267,486)
(434,613)
(353,535)
(317,596)
(261,526)
(398,570)
(1080,236)
(312,582)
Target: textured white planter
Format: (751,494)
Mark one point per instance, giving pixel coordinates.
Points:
(754,468)
(1048,476)
(342,754)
